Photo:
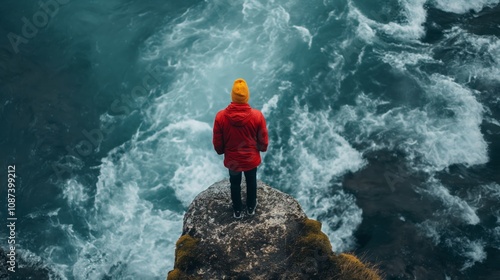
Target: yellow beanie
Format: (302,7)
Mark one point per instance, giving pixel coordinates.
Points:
(240,93)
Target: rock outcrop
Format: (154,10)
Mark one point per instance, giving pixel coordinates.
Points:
(278,242)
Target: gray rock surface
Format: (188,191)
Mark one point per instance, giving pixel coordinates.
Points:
(248,243)
(278,242)
(210,215)
(254,247)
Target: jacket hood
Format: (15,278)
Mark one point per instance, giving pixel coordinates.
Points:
(238,114)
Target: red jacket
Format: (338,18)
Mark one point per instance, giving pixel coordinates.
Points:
(240,132)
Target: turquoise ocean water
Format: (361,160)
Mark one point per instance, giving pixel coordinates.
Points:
(383,116)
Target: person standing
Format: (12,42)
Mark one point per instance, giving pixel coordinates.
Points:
(240,133)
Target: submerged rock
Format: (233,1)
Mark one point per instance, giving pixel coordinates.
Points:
(278,242)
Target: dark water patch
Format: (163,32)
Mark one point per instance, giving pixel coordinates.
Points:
(485,22)
(438,22)
(487,269)
(494,153)
(393,211)
(382,11)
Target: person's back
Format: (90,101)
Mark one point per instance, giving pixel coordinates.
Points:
(240,133)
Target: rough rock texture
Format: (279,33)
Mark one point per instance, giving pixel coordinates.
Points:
(278,242)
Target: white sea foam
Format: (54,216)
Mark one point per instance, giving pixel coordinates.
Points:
(473,250)
(463,6)
(492,190)
(492,121)
(31,260)
(409,29)
(133,230)
(425,133)
(305,34)
(454,206)
(321,155)
(122,215)
(365,32)
(400,60)
(481,54)
(219,54)
(270,105)
(457,139)
(76,194)
(481,195)
(443,131)
(432,229)
(442,230)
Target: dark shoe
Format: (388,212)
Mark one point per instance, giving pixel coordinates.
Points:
(251,210)
(237,214)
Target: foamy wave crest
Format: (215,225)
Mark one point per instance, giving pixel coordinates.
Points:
(492,190)
(123,214)
(472,251)
(454,206)
(270,105)
(305,33)
(320,156)
(463,6)
(457,138)
(477,56)
(403,59)
(484,195)
(408,29)
(206,56)
(76,195)
(447,226)
(31,261)
(438,138)
(196,162)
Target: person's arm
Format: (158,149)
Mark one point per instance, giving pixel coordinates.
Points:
(218,139)
(262,135)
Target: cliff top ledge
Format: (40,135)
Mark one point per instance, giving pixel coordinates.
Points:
(278,242)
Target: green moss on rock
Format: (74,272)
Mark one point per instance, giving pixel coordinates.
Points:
(351,268)
(313,244)
(177,274)
(186,253)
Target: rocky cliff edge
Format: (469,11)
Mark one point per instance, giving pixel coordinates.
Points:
(278,242)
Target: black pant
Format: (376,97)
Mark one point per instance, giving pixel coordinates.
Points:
(251,179)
